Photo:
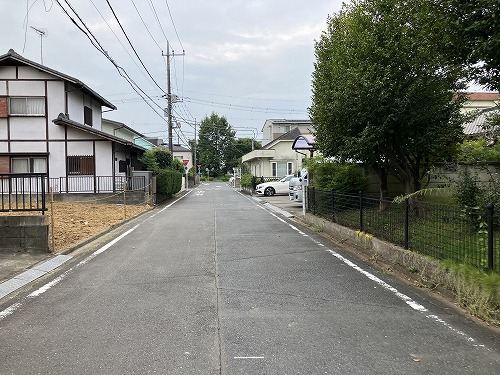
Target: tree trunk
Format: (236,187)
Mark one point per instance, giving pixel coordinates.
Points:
(384,189)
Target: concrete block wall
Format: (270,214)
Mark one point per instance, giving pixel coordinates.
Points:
(28,234)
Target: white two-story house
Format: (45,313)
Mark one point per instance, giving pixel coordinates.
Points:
(52,123)
(276,158)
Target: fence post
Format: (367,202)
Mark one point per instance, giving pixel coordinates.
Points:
(361,211)
(313,199)
(44,202)
(53,240)
(407,223)
(490,211)
(333,206)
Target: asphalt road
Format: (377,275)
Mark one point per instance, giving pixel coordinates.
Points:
(218,284)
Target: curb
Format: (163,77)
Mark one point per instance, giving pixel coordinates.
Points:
(40,269)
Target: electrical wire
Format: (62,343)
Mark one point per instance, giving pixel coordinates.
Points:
(242,107)
(144,23)
(173,24)
(151,5)
(99,47)
(118,39)
(132,46)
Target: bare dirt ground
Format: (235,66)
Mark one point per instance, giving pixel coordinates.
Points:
(75,222)
(72,224)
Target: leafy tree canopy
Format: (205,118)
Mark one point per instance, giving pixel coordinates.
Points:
(472,30)
(216,144)
(156,158)
(383,91)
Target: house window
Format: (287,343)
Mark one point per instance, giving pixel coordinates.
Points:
(87,116)
(281,169)
(284,128)
(29,165)
(27,106)
(81,165)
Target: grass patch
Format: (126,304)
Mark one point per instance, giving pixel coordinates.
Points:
(476,290)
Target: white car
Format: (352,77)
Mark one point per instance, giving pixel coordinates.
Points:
(295,189)
(296,185)
(274,187)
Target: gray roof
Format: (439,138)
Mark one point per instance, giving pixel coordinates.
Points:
(289,136)
(122,125)
(63,120)
(179,148)
(13,58)
(476,126)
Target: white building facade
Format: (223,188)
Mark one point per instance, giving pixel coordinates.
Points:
(52,123)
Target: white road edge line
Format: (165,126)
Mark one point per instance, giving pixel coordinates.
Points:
(11,309)
(409,301)
(174,202)
(14,307)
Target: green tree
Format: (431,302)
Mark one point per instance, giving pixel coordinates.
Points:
(215,144)
(156,158)
(384,93)
(240,147)
(472,29)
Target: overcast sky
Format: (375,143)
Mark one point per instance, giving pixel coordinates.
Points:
(246,60)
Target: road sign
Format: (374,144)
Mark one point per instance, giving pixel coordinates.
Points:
(186,162)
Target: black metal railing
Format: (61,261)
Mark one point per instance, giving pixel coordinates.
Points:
(23,192)
(469,236)
(97,184)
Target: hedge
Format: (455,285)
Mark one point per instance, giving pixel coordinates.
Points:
(168,182)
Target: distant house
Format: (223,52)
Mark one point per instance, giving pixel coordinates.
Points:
(480,101)
(275,128)
(183,154)
(52,123)
(276,158)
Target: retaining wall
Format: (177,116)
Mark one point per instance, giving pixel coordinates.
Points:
(28,234)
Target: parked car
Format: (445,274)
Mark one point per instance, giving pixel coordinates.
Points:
(274,187)
(296,186)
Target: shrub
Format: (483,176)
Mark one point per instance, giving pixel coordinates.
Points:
(467,190)
(157,158)
(340,177)
(168,182)
(246,180)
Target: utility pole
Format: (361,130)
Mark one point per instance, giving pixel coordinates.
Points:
(169,97)
(195,162)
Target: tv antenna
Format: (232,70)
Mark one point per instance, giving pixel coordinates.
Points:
(42,33)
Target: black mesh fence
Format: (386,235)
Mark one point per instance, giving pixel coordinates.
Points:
(470,236)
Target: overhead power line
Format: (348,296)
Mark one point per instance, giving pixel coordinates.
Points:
(100,48)
(132,46)
(144,23)
(173,24)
